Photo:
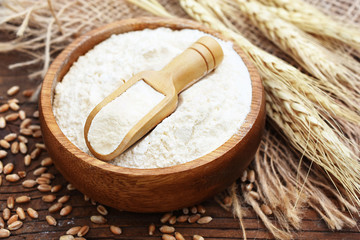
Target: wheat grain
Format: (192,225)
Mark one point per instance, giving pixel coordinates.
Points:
(204,220)
(115,230)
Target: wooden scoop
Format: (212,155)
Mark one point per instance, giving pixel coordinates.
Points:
(184,70)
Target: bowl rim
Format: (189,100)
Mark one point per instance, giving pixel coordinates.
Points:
(66,58)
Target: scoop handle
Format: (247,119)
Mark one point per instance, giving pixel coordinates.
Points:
(196,61)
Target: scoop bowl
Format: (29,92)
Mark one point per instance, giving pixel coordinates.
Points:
(148,190)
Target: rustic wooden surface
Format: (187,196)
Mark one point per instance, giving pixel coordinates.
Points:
(134,226)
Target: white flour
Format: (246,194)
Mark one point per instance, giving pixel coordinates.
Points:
(118,117)
(208,113)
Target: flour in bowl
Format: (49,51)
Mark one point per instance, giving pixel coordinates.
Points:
(208,113)
(118,117)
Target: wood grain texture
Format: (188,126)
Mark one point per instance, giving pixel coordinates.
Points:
(148,190)
(134,225)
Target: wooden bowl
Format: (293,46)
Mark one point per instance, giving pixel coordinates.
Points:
(148,190)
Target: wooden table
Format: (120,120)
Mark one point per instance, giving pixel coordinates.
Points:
(134,225)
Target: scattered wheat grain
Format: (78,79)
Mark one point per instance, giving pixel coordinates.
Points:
(22,114)
(13,90)
(23,199)
(204,220)
(64,199)
(23,148)
(39,171)
(66,237)
(22,174)
(4,233)
(12,177)
(12,219)
(51,220)
(182,218)
(73,230)
(83,231)
(28,93)
(32,213)
(55,207)
(25,123)
(201,209)
(8,168)
(14,106)
(27,160)
(10,137)
(185,210)
(167,237)
(36,114)
(3,154)
(46,162)
(11,117)
(6,214)
(49,198)
(56,188)
(102,210)
(66,210)
(172,220)
(179,236)
(35,153)
(98,219)
(26,131)
(167,229)
(14,147)
(2,122)
(21,213)
(166,217)
(193,209)
(43,180)
(10,202)
(151,229)
(22,139)
(4,107)
(194,218)
(198,237)
(115,230)
(4,144)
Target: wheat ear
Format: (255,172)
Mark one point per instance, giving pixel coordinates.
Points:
(308,86)
(311,20)
(336,73)
(293,113)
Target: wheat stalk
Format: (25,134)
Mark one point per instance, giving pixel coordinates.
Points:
(151,6)
(287,177)
(295,116)
(293,113)
(308,86)
(311,20)
(337,74)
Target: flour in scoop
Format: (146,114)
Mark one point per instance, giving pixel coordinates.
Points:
(208,114)
(116,119)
